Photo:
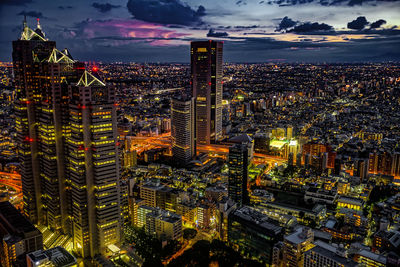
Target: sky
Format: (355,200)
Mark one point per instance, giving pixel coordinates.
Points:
(324,31)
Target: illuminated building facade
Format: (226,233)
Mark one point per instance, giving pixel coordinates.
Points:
(66,126)
(295,246)
(238,173)
(182,130)
(163,224)
(93,166)
(28,51)
(42,75)
(206,79)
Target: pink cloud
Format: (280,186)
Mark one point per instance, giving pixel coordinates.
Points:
(155,34)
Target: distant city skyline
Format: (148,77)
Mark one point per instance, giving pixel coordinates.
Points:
(252,31)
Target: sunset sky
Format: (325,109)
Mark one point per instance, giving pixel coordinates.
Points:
(252,30)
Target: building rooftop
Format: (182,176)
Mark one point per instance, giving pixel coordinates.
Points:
(300,235)
(58,256)
(252,215)
(12,222)
(336,254)
(373,256)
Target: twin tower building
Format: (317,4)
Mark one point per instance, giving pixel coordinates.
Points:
(197,120)
(68,143)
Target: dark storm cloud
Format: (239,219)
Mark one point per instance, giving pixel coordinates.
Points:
(104,7)
(358,24)
(241,3)
(266,49)
(165,12)
(309,27)
(201,11)
(15,2)
(212,33)
(246,27)
(377,24)
(285,24)
(64,7)
(33,14)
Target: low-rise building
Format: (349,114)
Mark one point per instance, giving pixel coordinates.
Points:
(54,257)
(18,236)
(253,233)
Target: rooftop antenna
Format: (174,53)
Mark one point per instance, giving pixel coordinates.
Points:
(25,24)
(38,24)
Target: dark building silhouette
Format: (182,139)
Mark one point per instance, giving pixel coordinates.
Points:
(238,173)
(18,236)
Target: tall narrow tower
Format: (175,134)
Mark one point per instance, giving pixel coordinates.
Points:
(238,173)
(93,166)
(28,52)
(182,130)
(206,79)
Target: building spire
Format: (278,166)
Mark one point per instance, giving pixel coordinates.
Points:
(38,24)
(24,23)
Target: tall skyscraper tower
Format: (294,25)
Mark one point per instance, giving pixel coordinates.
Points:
(66,126)
(182,130)
(93,166)
(206,79)
(28,51)
(238,173)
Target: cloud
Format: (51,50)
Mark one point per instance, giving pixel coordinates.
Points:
(33,14)
(103,8)
(64,7)
(201,11)
(166,12)
(285,24)
(377,24)
(15,2)
(122,31)
(309,27)
(358,24)
(212,33)
(246,27)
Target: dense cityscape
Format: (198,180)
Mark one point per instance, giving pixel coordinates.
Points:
(204,163)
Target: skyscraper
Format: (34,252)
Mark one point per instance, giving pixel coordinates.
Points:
(93,166)
(28,51)
(66,126)
(206,79)
(182,130)
(238,172)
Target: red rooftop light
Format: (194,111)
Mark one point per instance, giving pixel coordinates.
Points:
(95,68)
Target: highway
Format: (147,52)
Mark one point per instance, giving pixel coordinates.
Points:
(141,144)
(13,180)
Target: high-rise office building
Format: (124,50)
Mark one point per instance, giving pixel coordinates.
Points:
(66,126)
(182,130)
(206,79)
(238,172)
(28,52)
(93,166)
